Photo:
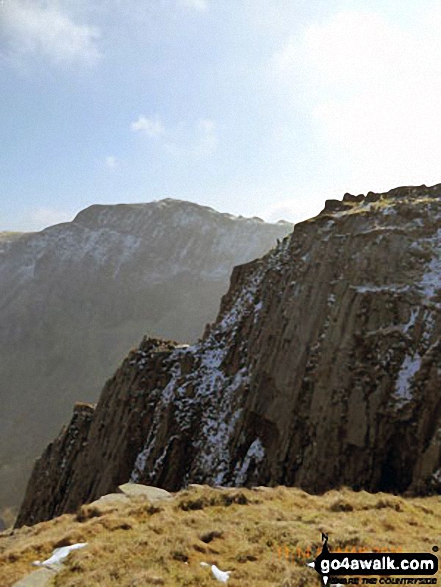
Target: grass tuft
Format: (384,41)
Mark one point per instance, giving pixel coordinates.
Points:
(264,536)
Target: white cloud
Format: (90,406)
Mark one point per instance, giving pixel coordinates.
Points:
(43,28)
(372,90)
(180,140)
(196,4)
(153,127)
(111,162)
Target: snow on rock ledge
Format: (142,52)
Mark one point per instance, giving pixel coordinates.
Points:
(321,370)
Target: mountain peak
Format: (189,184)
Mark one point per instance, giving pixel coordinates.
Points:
(180,212)
(321,370)
(76,296)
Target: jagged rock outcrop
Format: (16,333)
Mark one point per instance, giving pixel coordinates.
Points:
(322,369)
(75,297)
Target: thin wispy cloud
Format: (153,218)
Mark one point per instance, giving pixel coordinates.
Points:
(111,162)
(200,5)
(370,87)
(199,141)
(45,29)
(182,140)
(152,127)
(290,101)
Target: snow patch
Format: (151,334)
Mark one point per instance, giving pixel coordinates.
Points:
(393,287)
(409,368)
(431,281)
(255,454)
(213,406)
(59,554)
(413,316)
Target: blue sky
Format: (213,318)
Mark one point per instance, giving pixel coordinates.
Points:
(254,107)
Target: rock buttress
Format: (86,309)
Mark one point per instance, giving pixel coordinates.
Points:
(322,369)
(49,484)
(86,460)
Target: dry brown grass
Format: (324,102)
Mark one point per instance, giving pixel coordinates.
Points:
(257,534)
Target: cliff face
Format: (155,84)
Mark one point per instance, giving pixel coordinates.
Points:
(322,369)
(75,297)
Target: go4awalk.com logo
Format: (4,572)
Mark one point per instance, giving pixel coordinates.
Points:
(361,566)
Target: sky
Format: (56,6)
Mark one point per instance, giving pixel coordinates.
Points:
(254,107)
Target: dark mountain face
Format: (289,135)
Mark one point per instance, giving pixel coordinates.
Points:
(75,297)
(323,368)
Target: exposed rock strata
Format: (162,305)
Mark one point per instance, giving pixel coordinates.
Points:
(75,297)
(322,369)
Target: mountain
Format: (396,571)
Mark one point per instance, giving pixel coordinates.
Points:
(322,369)
(76,296)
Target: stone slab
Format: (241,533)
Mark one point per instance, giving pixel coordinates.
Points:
(151,493)
(110,499)
(40,578)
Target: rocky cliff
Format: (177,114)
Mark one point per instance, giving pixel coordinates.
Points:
(322,369)
(75,297)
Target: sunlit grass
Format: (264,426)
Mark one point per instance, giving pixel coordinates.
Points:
(260,535)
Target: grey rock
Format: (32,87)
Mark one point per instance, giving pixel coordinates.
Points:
(75,297)
(151,493)
(321,370)
(40,578)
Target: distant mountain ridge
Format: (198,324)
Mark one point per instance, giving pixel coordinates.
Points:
(321,370)
(75,297)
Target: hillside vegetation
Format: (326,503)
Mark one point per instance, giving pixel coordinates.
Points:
(264,536)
